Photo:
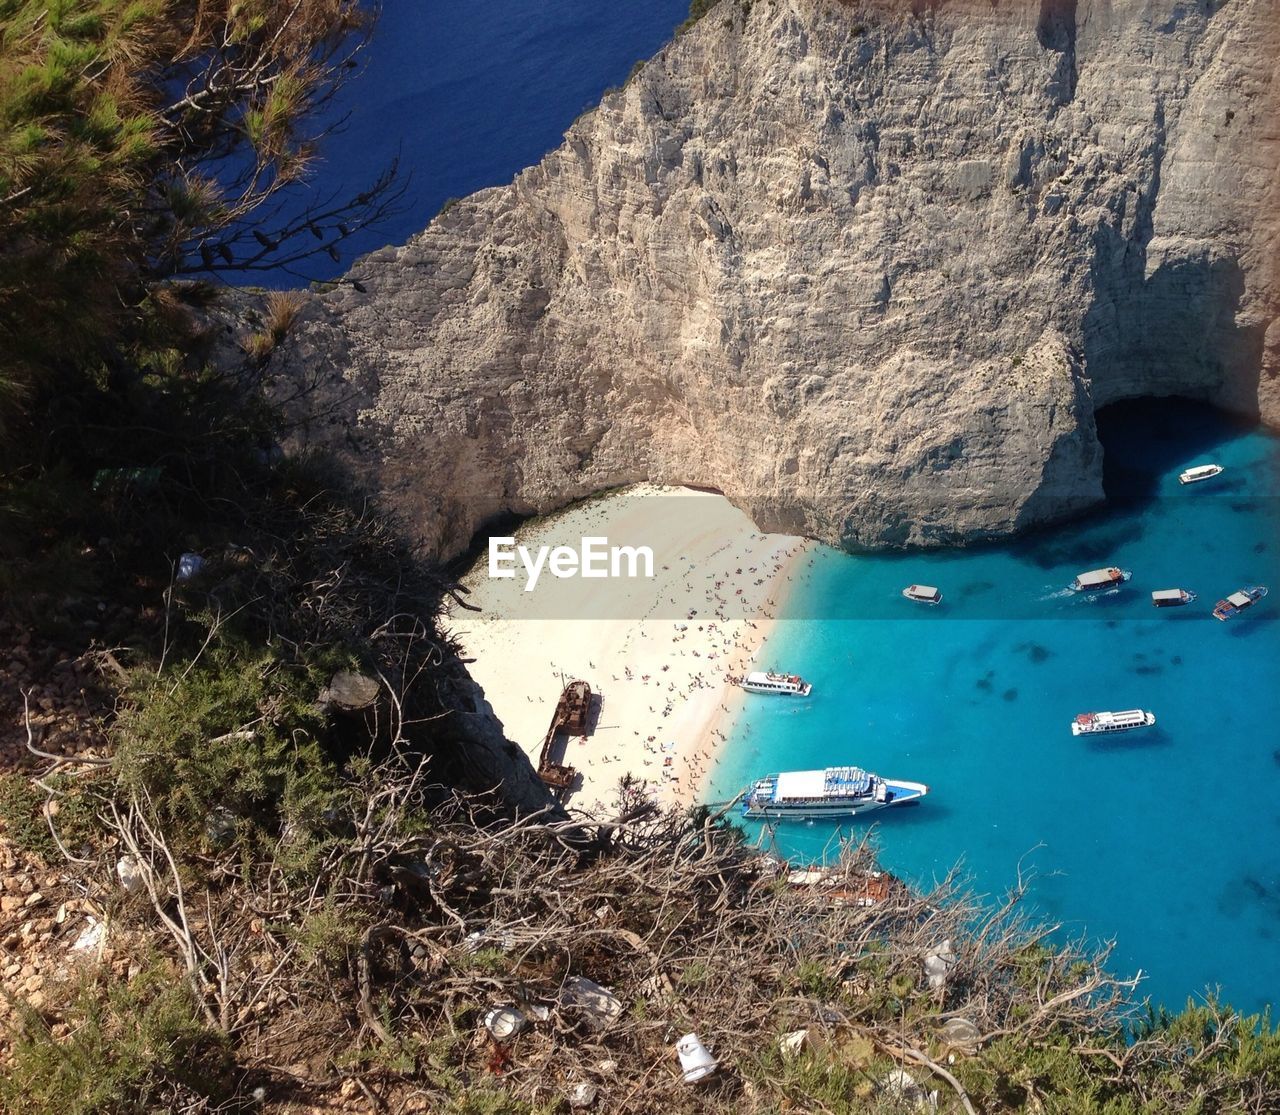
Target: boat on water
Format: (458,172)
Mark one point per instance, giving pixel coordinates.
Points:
(1172,597)
(1088,723)
(1197,473)
(789,685)
(834,793)
(1237,602)
(1096,579)
(923,594)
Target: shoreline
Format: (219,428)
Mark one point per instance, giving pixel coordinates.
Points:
(660,653)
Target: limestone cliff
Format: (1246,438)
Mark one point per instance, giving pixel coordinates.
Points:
(869,268)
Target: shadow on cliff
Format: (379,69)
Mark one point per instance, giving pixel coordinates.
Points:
(1145,440)
(1166,346)
(1173,332)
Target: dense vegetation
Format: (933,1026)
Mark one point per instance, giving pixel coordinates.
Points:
(313,911)
(143,139)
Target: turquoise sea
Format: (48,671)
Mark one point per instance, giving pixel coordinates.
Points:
(1166,839)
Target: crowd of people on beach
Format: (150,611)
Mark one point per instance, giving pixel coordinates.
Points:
(666,670)
(674,661)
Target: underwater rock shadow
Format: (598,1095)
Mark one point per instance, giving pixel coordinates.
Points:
(1241,627)
(1067,547)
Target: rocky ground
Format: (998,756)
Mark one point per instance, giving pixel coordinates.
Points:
(64,690)
(46,928)
(47,924)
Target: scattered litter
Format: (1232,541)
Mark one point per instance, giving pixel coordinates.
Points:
(92,937)
(903,1085)
(582,1095)
(540,1013)
(937,964)
(600,1005)
(478,939)
(807,877)
(608,1067)
(119,481)
(189,566)
(504,1022)
(797,1041)
(220,826)
(793,1044)
(695,1060)
(130,874)
(961,1035)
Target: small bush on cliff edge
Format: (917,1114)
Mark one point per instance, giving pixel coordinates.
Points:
(697,9)
(133,1047)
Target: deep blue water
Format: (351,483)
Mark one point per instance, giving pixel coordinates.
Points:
(1166,839)
(467,95)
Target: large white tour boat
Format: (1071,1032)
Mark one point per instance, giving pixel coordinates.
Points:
(1237,602)
(790,685)
(1096,579)
(834,793)
(1089,722)
(1198,473)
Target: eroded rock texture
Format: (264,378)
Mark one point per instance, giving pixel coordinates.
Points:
(867,267)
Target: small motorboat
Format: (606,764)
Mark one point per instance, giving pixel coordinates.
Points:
(1088,723)
(1096,579)
(1198,473)
(1172,597)
(1237,602)
(923,594)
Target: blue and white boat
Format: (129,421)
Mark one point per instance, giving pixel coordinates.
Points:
(1237,602)
(786,685)
(1087,723)
(834,793)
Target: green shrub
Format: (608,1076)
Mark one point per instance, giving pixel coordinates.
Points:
(133,1047)
(329,936)
(238,733)
(22,815)
(697,9)
(22,811)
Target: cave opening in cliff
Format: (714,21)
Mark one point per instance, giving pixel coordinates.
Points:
(1145,439)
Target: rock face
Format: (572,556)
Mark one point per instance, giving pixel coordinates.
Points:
(869,268)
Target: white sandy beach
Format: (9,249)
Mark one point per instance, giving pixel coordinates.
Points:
(659,651)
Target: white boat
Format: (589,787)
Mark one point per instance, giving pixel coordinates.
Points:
(1096,579)
(923,594)
(1172,597)
(1237,602)
(788,685)
(1198,473)
(1089,722)
(834,793)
